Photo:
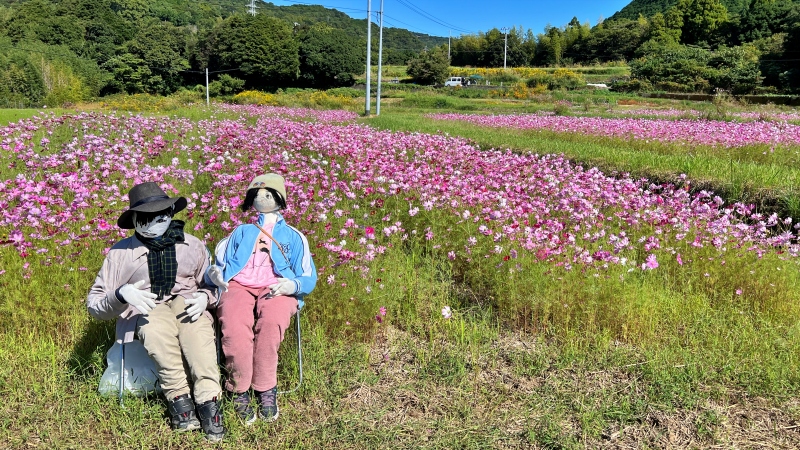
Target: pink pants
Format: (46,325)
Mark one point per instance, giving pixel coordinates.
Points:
(252,331)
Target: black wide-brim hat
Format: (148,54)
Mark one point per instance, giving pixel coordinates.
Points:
(148,197)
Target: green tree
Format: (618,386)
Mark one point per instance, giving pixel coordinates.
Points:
(329,57)
(466,50)
(152,62)
(263,49)
(497,45)
(701,19)
(550,47)
(764,18)
(430,67)
(736,69)
(615,40)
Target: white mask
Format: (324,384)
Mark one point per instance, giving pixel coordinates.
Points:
(265,202)
(155,228)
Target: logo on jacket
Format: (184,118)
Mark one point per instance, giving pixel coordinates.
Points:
(285,247)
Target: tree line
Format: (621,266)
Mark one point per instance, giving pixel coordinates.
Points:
(687,47)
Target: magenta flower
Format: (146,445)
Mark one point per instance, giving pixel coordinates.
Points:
(651,262)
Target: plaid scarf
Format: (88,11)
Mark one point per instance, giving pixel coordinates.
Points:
(162,259)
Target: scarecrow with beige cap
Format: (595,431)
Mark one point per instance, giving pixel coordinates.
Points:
(152,282)
(263,271)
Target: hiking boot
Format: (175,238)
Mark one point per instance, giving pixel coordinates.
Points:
(211,420)
(268,404)
(241,404)
(181,412)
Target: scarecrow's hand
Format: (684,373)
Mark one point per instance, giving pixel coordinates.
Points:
(140,299)
(284,286)
(215,275)
(196,306)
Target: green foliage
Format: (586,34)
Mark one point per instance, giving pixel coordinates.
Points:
(329,57)
(648,8)
(262,48)
(430,67)
(690,69)
(701,19)
(225,85)
(540,78)
(346,92)
(611,41)
(630,85)
(736,70)
(152,62)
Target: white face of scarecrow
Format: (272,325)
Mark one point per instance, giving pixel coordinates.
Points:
(265,202)
(152,225)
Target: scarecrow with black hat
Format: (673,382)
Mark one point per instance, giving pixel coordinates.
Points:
(264,271)
(153,283)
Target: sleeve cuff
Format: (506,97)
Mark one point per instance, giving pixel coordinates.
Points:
(119,297)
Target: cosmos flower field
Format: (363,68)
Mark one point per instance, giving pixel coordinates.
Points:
(360,194)
(467,296)
(778,133)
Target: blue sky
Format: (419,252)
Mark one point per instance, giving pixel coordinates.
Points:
(440,17)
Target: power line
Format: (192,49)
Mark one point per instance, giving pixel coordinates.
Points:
(432,18)
(325,6)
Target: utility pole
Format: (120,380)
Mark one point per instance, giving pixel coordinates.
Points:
(369,54)
(380,65)
(505,46)
(208,102)
(448,44)
(252,7)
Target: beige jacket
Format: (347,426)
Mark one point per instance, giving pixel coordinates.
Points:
(126,262)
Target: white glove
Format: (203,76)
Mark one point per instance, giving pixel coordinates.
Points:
(215,275)
(140,299)
(196,305)
(284,286)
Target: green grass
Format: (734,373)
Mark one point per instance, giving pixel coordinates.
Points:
(8,115)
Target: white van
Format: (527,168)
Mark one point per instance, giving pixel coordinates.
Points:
(454,81)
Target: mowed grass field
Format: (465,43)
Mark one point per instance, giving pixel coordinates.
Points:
(585,309)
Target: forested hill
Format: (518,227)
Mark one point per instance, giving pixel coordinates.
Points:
(62,51)
(649,7)
(399,44)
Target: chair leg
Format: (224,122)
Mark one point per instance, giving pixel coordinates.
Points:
(299,355)
(121,372)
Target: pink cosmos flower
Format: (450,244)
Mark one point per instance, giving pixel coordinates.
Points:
(446,312)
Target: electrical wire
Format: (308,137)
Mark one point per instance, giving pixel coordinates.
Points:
(432,18)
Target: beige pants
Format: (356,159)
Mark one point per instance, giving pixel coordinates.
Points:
(185,352)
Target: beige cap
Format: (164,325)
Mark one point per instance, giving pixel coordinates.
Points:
(270,180)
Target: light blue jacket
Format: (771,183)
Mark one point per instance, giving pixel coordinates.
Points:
(233,252)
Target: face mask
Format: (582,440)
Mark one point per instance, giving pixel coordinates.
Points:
(154,226)
(265,202)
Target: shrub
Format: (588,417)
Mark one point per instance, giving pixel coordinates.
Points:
(561,107)
(539,78)
(504,77)
(225,85)
(254,98)
(632,85)
(566,79)
(345,92)
(328,101)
